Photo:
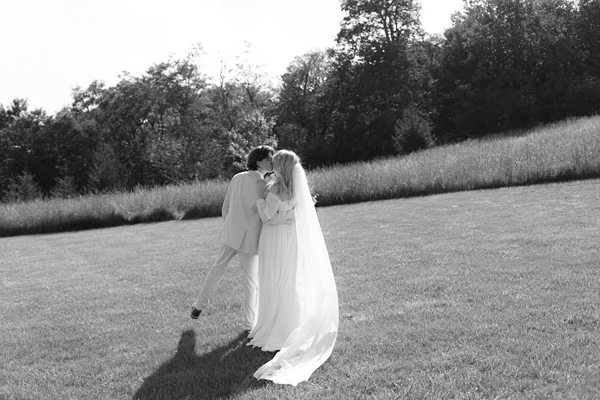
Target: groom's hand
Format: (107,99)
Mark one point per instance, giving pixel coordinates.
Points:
(281,218)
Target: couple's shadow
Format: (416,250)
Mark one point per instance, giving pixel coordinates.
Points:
(224,371)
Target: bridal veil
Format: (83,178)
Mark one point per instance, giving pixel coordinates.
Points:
(312,342)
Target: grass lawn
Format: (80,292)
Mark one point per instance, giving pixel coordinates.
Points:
(490,294)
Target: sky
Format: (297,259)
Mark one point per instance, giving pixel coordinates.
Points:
(49,47)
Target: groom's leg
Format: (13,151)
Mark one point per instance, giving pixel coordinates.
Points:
(213,279)
(249,265)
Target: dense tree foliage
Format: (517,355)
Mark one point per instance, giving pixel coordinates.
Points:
(375,66)
(168,125)
(384,88)
(509,64)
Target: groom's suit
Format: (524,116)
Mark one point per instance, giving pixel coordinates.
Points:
(242,223)
(241,232)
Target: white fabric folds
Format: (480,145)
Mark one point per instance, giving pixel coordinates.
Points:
(310,344)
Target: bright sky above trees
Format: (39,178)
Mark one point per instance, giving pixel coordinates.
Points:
(49,47)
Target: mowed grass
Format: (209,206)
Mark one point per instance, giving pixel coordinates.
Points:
(561,151)
(489,294)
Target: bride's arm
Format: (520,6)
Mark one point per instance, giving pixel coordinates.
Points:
(267,208)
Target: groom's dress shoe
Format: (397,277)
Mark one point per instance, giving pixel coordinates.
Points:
(195,313)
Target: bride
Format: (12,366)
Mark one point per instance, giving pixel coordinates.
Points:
(297,299)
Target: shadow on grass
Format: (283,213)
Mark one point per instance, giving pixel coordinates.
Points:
(219,374)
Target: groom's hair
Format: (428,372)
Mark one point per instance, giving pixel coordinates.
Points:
(257,154)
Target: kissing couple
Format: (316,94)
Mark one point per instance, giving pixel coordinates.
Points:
(290,300)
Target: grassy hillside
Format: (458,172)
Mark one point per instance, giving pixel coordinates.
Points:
(488,294)
(558,152)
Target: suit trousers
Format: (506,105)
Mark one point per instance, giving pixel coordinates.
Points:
(249,263)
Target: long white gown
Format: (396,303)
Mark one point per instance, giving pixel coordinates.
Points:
(278,309)
(298,313)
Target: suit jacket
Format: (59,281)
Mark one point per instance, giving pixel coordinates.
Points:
(242,223)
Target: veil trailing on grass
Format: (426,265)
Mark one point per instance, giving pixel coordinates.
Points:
(311,343)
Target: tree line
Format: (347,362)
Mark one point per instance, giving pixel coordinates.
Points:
(384,88)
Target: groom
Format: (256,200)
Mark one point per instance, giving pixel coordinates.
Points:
(241,231)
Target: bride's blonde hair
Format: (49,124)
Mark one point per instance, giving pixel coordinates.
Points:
(284,162)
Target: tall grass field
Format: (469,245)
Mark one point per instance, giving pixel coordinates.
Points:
(485,294)
(558,152)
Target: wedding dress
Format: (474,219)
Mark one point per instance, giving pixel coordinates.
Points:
(298,311)
(278,308)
